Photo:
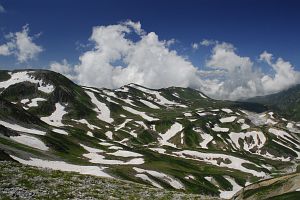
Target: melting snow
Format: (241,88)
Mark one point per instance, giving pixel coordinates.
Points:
(146,178)
(175,128)
(34,102)
(212,158)
(142,114)
(227,110)
(174,183)
(60,131)
(228,119)
(229,194)
(109,134)
(257,140)
(56,117)
(84,121)
(101,108)
(123,153)
(216,128)
(19,128)
(63,166)
(30,141)
(19,77)
(149,104)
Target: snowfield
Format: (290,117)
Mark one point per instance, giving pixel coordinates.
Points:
(55,119)
(235,189)
(63,166)
(142,114)
(166,178)
(19,128)
(216,128)
(149,104)
(228,119)
(253,139)
(94,157)
(101,108)
(25,76)
(235,163)
(30,141)
(174,129)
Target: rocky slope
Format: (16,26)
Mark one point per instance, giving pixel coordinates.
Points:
(283,187)
(172,138)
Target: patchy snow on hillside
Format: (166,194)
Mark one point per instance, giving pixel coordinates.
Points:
(149,104)
(147,179)
(158,150)
(19,128)
(109,135)
(253,139)
(235,189)
(24,101)
(202,95)
(216,128)
(94,157)
(60,131)
(63,166)
(56,117)
(118,127)
(214,159)
(30,141)
(227,110)
(84,121)
(164,177)
(142,114)
(101,109)
(34,102)
(159,98)
(207,138)
(19,77)
(227,119)
(174,129)
(124,153)
(89,133)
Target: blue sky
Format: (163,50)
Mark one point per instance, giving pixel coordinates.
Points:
(252,26)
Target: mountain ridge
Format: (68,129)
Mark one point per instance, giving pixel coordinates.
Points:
(174,138)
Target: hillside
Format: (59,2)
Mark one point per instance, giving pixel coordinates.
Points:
(286,103)
(283,187)
(172,138)
(38,183)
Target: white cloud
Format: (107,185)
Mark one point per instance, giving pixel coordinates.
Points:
(2,9)
(63,68)
(21,45)
(115,59)
(207,43)
(4,50)
(195,46)
(284,74)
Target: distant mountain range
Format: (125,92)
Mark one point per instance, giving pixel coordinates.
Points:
(172,138)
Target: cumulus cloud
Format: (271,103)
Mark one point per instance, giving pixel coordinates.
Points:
(5,50)
(64,68)
(21,45)
(116,59)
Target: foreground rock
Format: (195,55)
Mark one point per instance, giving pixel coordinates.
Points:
(23,182)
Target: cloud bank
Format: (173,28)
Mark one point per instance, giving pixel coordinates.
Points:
(125,53)
(21,45)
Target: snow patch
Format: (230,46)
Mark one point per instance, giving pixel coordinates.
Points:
(56,117)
